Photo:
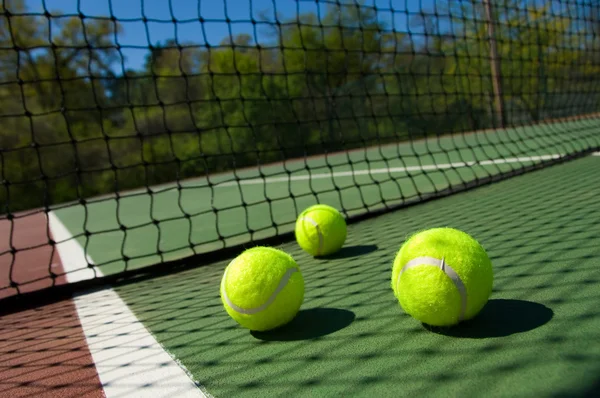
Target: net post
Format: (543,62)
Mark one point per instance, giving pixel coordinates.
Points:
(495,64)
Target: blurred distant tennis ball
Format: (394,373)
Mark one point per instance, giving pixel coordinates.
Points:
(262,288)
(442,276)
(320,230)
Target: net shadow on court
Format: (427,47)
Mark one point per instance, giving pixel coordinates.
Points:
(539,234)
(44,352)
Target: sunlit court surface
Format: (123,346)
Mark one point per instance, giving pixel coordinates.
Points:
(145,145)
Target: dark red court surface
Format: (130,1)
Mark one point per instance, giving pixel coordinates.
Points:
(30,265)
(44,354)
(43,351)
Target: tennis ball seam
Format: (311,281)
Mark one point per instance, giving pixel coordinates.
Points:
(448,270)
(251,311)
(316,225)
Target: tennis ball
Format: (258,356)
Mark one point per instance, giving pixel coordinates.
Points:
(320,230)
(442,276)
(262,288)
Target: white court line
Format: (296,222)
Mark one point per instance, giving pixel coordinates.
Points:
(596,154)
(440,166)
(128,359)
(74,261)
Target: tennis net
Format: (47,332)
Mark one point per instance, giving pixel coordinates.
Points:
(137,134)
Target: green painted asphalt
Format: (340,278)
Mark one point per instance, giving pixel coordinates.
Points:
(224,212)
(537,336)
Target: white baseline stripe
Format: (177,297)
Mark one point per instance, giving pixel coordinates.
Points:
(440,166)
(74,259)
(128,359)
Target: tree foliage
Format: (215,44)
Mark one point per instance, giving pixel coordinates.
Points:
(342,79)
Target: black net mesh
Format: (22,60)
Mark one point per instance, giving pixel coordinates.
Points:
(138,133)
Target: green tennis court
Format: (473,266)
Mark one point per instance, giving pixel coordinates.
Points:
(537,336)
(210,213)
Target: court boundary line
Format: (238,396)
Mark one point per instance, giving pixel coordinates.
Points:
(128,358)
(385,170)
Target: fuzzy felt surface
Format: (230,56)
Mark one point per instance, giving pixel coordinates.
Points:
(427,293)
(252,278)
(331,228)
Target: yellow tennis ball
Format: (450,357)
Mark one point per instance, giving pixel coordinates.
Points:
(442,276)
(320,230)
(262,288)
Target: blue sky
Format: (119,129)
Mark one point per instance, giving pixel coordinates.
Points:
(137,35)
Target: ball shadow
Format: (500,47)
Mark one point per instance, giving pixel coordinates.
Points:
(499,318)
(309,324)
(350,251)
(592,391)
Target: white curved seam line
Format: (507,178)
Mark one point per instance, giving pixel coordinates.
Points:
(448,270)
(316,225)
(250,311)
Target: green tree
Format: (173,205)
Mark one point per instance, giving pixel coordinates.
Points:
(537,48)
(332,68)
(50,101)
